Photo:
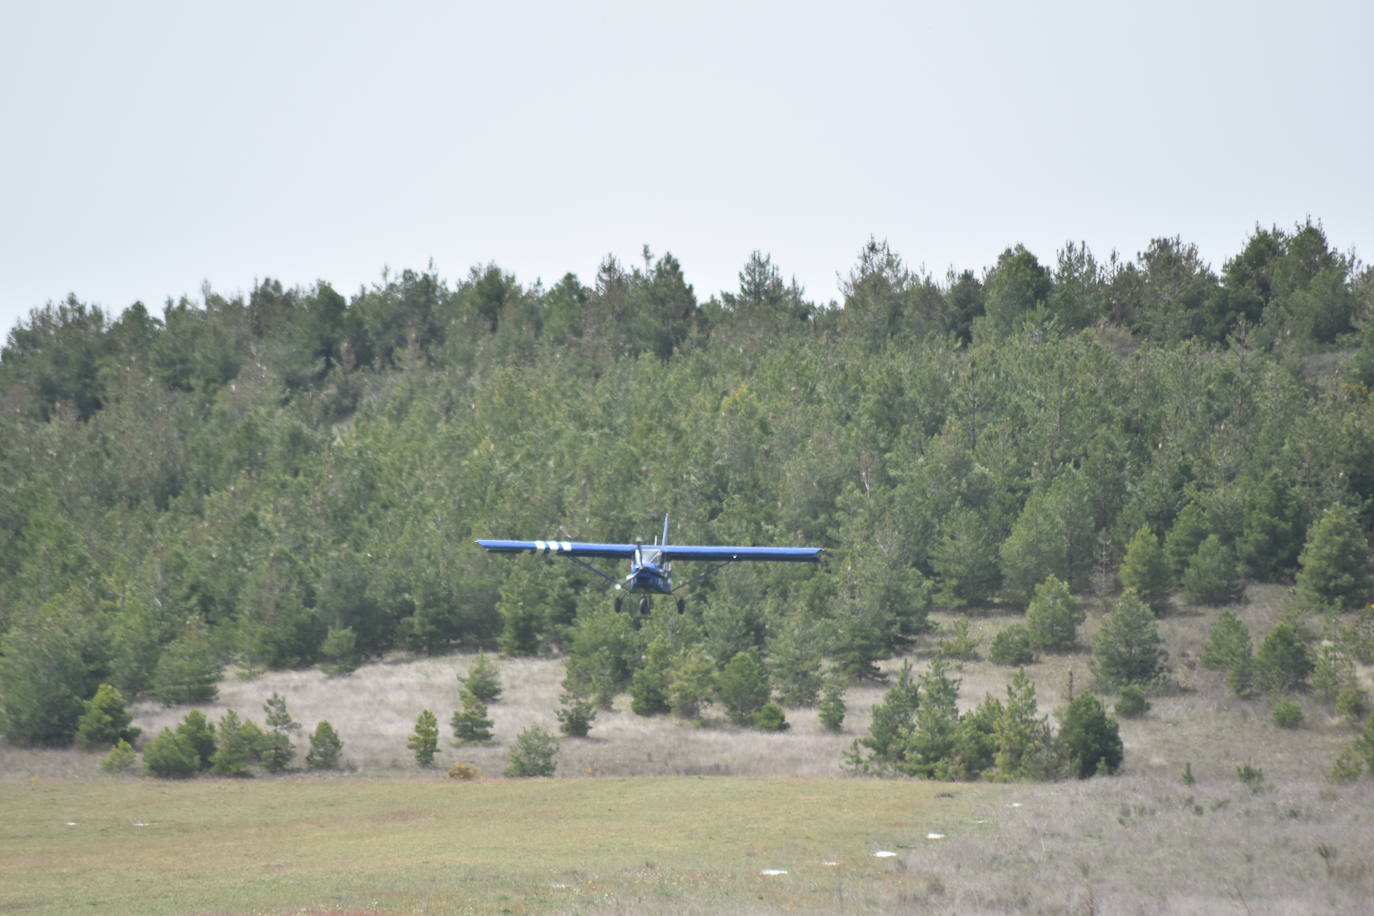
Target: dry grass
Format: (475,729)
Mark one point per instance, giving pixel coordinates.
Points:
(1141,842)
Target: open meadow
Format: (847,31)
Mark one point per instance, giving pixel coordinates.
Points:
(661,816)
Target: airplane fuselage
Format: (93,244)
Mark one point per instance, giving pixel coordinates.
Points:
(649,572)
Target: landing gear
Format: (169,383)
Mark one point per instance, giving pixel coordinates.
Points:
(681,605)
(619,602)
(644,606)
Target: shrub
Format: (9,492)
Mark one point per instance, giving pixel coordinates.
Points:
(1132,704)
(770,718)
(470,724)
(1090,737)
(105,720)
(1251,776)
(461,770)
(1283,661)
(341,645)
(533,753)
(120,759)
(743,687)
(1347,767)
(1213,576)
(832,704)
(326,749)
(1287,714)
(1228,643)
(483,679)
(575,716)
(1012,647)
(1352,703)
(171,756)
(1128,648)
(424,741)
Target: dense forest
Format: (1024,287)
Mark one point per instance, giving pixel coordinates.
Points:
(296,477)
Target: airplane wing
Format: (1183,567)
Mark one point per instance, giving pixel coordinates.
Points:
(566,548)
(726,554)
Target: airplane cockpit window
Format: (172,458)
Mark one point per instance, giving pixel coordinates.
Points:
(651,556)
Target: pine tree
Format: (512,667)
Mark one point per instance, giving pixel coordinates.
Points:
(1091,738)
(189,669)
(105,720)
(1053,616)
(1283,662)
(1213,576)
(483,679)
(1128,648)
(649,684)
(1334,564)
(1021,735)
(889,728)
(534,753)
(326,749)
(691,683)
(1188,532)
(277,751)
(575,715)
(171,756)
(424,741)
(1145,570)
(199,735)
(832,704)
(470,724)
(743,687)
(235,749)
(120,759)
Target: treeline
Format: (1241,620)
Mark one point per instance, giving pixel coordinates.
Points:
(295,478)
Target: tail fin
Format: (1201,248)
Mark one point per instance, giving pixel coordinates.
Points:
(665,531)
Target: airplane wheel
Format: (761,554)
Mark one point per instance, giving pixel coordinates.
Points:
(644,606)
(681,605)
(618,603)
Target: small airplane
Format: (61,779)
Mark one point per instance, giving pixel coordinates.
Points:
(651,567)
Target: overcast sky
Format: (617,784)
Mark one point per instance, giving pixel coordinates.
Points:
(149,148)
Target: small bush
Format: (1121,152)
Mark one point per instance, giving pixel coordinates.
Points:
(1188,778)
(1012,647)
(1251,776)
(1287,714)
(120,759)
(533,753)
(1352,703)
(1347,767)
(770,718)
(1132,704)
(325,748)
(461,770)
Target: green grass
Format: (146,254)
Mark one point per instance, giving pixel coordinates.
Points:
(433,845)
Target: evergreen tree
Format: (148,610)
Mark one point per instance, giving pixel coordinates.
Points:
(1213,576)
(832,704)
(1228,649)
(794,662)
(650,683)
(234,749)
(1053,616)
(934,725)
(691,683)
(483,679)
(1334,565)
(1271,533)
(770,718)
(171,756)
(743,687)
(1022,736)
(424,741)
(120,759)
(1145,570)
(277,750)
(189,669)
(326,750)
(889,730)
(1128,648)
(105,721)
(470,724)
(1283,662)
(1012,647)
(1091,738)
(534,753)
(1187,534)
(199,735)
(575,715)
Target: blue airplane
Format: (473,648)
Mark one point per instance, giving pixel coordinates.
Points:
(651,567)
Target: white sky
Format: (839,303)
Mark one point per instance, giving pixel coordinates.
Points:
(149,147)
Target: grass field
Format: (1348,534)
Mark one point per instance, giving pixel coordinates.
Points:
(686,819)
